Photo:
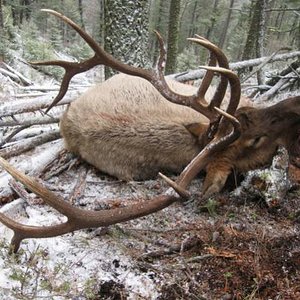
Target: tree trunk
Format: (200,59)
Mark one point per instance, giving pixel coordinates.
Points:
(193,20)
(213,19)
(1,18)
(226,25)
(80,8)
(15,14)
(261,38)
(126,32)
(254,29)
(173,34)
(160,14)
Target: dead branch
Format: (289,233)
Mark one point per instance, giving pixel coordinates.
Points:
(291,68)
(19,189)
(13,107)
(34,166)
(32,132)
(21,77)
(11,135)
(11,75)
(30,121)
(63,161)
(53,89)
(28,144)
(266,61)
(79,187)
(274,89)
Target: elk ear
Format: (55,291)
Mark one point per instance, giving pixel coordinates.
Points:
(244,115)
(196,129)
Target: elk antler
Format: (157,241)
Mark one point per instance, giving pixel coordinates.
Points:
(80,219)
(156,78)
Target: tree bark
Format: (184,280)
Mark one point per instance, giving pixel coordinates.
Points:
(173,33)
(252,36)
(80,8)
(126,32)
(1,18)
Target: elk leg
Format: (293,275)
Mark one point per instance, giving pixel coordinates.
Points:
(216,176)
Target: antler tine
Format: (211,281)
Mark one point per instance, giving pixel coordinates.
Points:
(222,62)
(206,81)
(101,57)
(235,87)
(71,69)
(162,56)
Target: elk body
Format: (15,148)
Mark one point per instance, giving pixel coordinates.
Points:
(133,127)
(127,129)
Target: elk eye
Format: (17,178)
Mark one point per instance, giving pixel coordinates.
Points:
(257,142)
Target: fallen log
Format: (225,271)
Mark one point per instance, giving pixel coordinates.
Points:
(237,66)
(33,165)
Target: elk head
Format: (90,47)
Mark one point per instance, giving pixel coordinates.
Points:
(263,130)
(216,147)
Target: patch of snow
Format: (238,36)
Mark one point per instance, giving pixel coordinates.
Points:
(74,258)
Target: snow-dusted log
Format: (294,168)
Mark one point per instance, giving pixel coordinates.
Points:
(50,89)
(274,89)
(237,66)
(32,165)
(9,108)
(30,121)
(20,77)
(28,144)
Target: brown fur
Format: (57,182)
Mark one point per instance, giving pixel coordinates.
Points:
(125,128)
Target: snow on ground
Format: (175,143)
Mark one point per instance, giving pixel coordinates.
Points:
(65,267)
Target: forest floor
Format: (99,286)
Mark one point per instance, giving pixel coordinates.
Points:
(241,244)
(233,246)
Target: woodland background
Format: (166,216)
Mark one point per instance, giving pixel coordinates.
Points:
(233,246)
(244,29)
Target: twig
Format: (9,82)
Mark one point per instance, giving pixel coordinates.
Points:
(198,258)
(185,245)
(11,135)
(23,194)
(62,162)
(79,187)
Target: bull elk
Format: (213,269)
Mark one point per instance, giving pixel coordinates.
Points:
(137,124)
